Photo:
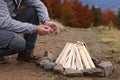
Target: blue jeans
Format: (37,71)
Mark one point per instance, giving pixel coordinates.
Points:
(11,42)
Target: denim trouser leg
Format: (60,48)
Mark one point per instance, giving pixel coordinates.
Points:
(28,15)
(30,43)
(10,43)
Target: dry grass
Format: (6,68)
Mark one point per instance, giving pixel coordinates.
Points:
(100,42)
(111,37)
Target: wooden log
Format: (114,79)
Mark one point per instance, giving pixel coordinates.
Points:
(73,64)
(66,53)
(79,64)
(83,57)
(66,59)
(63,54)
(68,63)
(92,65)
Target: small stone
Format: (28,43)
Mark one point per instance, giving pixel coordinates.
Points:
(49,66)
(42,62)
(72,73)
(46,54)
(107,67)
(58,69)
(96,61)
(94,72)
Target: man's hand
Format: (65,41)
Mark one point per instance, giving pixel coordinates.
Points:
(54,27)
(43,30)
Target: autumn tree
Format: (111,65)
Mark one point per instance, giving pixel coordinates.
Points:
(74,13)
(68,14)
(54,8)
(83,14)
(88,16)
(104,19)
(109,17)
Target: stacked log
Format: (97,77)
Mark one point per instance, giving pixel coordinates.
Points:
(75,56)
(75,61)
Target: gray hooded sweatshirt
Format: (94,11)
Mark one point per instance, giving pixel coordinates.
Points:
(7,11)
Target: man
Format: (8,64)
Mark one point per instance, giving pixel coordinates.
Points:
(14,20)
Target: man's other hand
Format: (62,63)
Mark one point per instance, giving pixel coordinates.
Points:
(54,27)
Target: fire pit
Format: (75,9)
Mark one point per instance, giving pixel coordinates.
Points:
(75,60)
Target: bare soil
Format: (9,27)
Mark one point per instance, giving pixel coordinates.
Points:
(16,70)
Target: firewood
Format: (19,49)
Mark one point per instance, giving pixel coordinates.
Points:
(79,64)
(88,57)
(68,63)
(63,54)
(66,53)
(75,56)
(73,64)
(66,59)
(83,57)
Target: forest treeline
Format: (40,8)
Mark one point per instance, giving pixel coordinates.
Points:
(73,13)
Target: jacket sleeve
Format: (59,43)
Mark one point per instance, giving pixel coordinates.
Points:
(40,8)
(8,23)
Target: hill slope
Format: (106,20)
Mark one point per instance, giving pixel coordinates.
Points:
(99,41)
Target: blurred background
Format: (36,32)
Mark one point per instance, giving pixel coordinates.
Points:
(85,13)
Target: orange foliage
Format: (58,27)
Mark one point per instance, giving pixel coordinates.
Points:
(108,16)
(83,14)
(68,16)
(54,8)
(73,13)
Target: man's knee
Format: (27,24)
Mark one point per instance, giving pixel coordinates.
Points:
(17,44)
(11,42)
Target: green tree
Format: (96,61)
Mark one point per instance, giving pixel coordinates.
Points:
(97,20)
(118,18)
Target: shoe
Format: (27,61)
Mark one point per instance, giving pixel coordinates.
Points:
(27,58)
(2,60)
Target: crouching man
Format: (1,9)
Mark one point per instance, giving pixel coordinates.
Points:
(14,20)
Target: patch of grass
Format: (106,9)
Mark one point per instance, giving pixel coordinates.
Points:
(106,36)
(96,29)
(113,38)
(47,74)
(113,55)
(60,78)
(110,36)
(44,73)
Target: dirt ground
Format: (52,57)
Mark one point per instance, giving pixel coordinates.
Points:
(15,70)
